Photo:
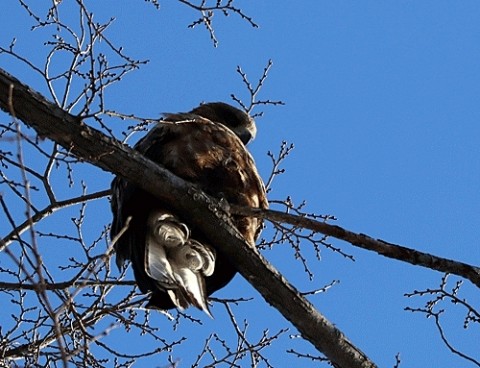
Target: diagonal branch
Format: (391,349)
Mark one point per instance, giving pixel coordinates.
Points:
(108,154)
(382,247)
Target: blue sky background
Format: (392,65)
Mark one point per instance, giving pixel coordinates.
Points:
(383,106)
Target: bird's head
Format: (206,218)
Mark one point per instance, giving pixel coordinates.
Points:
(235,119)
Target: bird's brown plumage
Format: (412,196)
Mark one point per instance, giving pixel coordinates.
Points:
(205,148)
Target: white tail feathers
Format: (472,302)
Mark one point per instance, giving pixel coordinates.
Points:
(177,263)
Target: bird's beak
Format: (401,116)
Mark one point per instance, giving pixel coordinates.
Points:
(245,137)
(248,134)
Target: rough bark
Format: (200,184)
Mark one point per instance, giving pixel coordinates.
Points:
(93,146)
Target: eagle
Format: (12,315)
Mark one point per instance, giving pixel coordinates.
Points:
(171,258)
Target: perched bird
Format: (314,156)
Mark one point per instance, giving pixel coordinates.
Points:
(170,257)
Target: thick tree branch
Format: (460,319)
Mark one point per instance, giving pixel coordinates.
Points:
(91,145)
(382,247)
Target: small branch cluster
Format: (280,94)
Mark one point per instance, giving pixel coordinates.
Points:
(38,176)
(297,236)
(208,11)
(217,351)
(434,309)
(254,91)
(277,160)
(155,3)
(80,63)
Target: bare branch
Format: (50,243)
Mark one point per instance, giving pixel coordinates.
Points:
(208,11)
(254,91)
(433,308)
(379,246)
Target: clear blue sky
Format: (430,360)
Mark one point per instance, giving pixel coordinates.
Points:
(383,106)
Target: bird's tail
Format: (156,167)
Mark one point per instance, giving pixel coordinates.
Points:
(177,263)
